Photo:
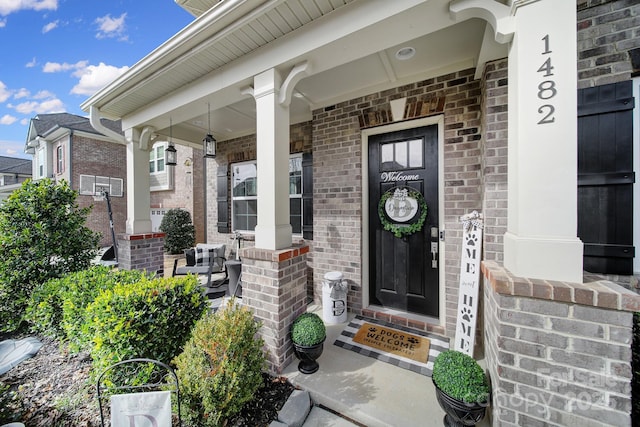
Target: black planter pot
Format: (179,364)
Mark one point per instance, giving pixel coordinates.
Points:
(459,413)
(308,356)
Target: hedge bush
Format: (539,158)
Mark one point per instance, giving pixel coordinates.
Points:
(221,366)
(179,230)
(152,318)
(58,307)
(461,377)
(42,236)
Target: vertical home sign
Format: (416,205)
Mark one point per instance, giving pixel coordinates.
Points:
(469,282)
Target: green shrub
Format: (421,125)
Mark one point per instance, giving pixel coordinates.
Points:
(221,366)
(42,236)
(461,377)
(179,230)
(308,329)
(58,307)
(152,318)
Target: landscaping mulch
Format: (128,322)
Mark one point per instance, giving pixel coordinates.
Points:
(52,389)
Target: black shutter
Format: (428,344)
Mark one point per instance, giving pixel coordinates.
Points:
(223,199)
(307,196)
(606,177)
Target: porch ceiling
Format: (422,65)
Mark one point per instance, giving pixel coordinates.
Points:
(350,45)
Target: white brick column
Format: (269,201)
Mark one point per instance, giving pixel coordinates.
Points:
(138,195)
(273,230)
(541,240)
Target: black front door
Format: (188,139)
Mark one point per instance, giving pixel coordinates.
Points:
(403,184)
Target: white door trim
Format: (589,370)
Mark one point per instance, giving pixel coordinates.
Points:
(394,127)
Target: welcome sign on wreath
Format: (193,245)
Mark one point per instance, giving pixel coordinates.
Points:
(400,205)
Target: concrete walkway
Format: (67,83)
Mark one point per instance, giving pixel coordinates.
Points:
(365,391)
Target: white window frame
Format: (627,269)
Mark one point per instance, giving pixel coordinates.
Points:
(297,196)
(41,163)
(154,160)
(60,159)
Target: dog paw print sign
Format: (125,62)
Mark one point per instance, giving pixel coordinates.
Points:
(469,282)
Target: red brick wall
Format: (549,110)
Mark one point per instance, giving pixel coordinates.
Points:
(92,157)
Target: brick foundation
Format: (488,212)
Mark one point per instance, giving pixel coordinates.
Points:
(141,252)
(274,288)
(558,353)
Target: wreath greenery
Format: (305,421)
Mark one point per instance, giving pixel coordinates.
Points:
(401,230)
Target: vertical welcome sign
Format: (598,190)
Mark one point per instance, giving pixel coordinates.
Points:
(469,282)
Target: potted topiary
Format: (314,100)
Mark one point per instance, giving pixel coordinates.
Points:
(462,389)
(308,334)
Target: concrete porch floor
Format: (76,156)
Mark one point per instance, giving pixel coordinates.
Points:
(368,392)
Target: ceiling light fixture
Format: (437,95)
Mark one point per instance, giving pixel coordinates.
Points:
(405,53)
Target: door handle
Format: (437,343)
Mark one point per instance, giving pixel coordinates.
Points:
(434,254)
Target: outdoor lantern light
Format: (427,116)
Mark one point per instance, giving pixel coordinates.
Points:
(209,142)
(209,146)
(170,154)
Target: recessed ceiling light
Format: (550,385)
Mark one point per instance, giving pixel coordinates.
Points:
(405,53)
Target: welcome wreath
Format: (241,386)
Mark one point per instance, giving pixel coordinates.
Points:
(401,230)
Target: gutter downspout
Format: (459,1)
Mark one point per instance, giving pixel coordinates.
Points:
(68,160)
(94,119)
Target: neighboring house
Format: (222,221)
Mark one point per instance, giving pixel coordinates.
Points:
(13,172)
(66,146)
(322,109)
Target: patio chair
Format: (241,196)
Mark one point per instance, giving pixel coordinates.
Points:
(132,399)
(209,263)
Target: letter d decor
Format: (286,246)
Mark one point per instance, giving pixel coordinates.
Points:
(469,282)
(148,409)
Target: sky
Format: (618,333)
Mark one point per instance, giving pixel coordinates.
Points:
(57,53)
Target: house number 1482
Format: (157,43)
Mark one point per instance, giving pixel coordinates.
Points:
(547,88)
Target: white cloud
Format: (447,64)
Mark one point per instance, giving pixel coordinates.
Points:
(21,93)
(10,6)
(31,63)
(3,23)
(50,26)
(56,67)
(53,105)
(7,120)
(44,94)
(95,77)
(13,149)
(109,27)
(4,92)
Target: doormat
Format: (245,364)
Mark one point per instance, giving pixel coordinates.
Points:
(400,346)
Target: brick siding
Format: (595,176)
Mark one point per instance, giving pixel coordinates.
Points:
(558,353)
(93,157)
(608,38)
(338,180)
(274,288)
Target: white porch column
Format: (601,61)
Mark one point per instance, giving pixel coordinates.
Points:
(273,230)
(138,196)
(541,240)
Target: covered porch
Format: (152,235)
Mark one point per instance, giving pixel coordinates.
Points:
(301,96)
